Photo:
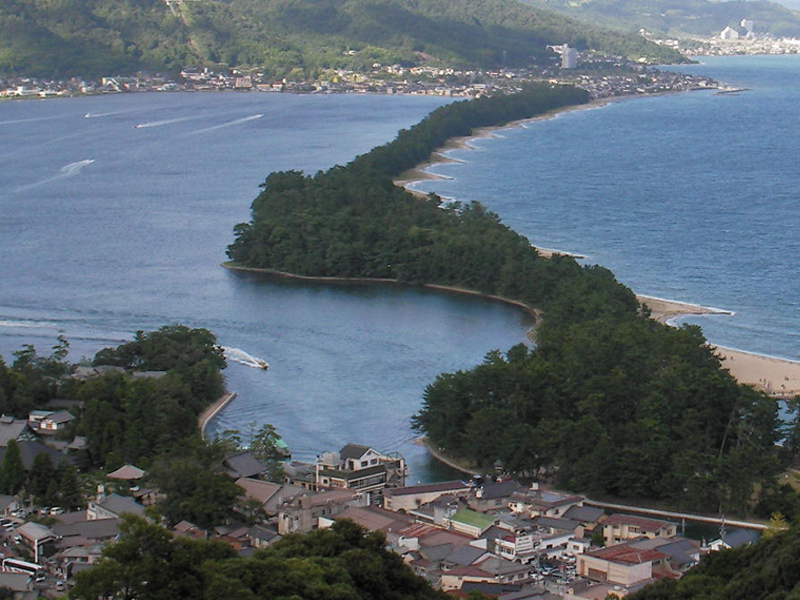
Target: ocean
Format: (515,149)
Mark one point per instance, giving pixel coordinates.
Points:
(693,197)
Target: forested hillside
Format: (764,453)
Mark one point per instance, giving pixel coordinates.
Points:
(680,17)
(59,38)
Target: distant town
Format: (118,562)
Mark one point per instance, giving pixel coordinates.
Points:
(602,76)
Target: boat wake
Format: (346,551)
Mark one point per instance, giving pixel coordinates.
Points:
(162,123)
(69,170)
(76,167)
(228,124)
(243,358)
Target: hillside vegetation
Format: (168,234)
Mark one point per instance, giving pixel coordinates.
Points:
(680,17)
(57,38)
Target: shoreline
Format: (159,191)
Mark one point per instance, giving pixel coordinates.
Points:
(778,377)
(439,455)
(439,156)
(212,410)
(532,312)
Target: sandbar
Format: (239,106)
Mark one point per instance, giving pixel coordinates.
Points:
(776,376)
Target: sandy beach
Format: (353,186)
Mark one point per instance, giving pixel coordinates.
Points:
(775,376)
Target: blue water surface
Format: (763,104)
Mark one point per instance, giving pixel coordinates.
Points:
(692,197)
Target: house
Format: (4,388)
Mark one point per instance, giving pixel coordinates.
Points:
(302,512)
(243,464)
(300,474)
(490,570)
(261,536)
(29,450)
(189,530)
(82,373)
(113,506)
(618,528)
(535,502)
(683,553)
(412,497)
(8,504)
(13,429)
(588,516)
(470,522)
(127,473)
(622,564)
(359,468)
(54,422)
(85,532)
(493,495)
(370,518)
(21,584)
(37,539)
(734,539)
(271,496)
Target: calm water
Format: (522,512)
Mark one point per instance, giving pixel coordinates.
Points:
(114,216)
(692,197)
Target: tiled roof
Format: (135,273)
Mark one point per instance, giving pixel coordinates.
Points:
(127,473)
(627,554)
(353,451)
(445,486)
(646,524)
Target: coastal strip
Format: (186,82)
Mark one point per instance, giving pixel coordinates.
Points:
(421,173)
(211,412)
(444,459)
(533,313)
(778,377)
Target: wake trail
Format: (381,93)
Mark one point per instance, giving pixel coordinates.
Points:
(243,358)
(164,122)
(69,170)
(228,124)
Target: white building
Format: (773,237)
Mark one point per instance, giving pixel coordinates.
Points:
(747,24)
(569,58)
(729,33)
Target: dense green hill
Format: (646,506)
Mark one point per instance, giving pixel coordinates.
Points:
(94,37)
(680,17)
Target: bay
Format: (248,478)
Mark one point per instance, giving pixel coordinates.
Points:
(114,217)
(692,197)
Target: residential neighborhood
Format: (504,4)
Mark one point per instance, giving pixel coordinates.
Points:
(490,534)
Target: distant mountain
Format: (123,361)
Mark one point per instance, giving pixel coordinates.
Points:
(95,37)
(680,17)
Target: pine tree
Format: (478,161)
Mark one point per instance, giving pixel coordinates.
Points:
(12,472)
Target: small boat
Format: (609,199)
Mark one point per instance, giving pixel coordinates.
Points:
(262,364)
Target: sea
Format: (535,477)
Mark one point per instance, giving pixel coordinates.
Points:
(115,212)
(693,197)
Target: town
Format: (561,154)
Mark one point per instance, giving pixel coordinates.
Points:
(602,76)
(489,533)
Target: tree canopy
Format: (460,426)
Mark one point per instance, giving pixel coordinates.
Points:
(341,563)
